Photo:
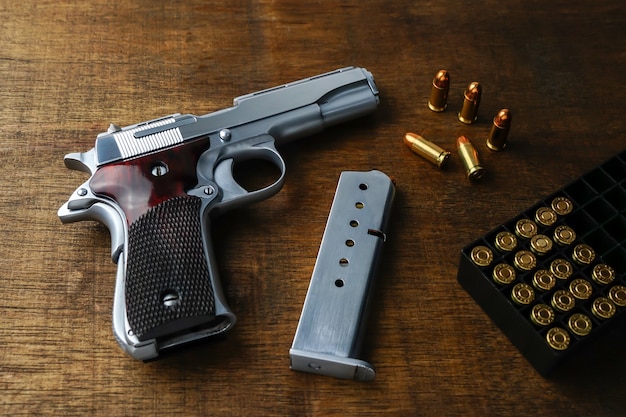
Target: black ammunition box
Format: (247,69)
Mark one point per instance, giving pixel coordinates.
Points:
(594,207)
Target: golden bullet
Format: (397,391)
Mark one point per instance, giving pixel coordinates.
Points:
(496,141)
(469,157)
(439,93)
(471,102)
(426,149)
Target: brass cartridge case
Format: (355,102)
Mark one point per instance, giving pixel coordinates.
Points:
(481,255)
(522,294)
(542,315)
(525,260)
(583,254)
(603,274)
(580,324)
(526,228)
(603,308)
(561,268)
(426,149)
(471,102)
(581,288)
(563,301)
(617,294)
(469,157)
(564,235)
(558,338)
(439,93)
(562,206)
(505,241)
(546,216)
(543,280)
(540,244)
(503,274)
(496,141)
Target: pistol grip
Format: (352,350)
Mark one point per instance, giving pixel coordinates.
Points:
(170,280)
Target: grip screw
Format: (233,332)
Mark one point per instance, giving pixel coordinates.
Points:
(159,169)
(170,298)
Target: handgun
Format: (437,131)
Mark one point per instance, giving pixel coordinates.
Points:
(158,185)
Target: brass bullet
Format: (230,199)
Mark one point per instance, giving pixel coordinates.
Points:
(540,244)
(617,294)
(426,149)
(471,102)
(558,338)
(583,254)
(603,308)
(564,235)
(503,274)
(526,228)
(439,93)
(563,301)
(542,315)
(546,216)
(561,269)
(469,156)
(581,288)
(505,241)
(562,206)
(496,141)
(524,260)
(522,294)
(603,274)
(481,255)
(543,280)
(580,324)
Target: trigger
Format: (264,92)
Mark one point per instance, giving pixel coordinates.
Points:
(82,198)
(224,178)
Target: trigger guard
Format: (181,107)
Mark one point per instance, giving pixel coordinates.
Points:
(233,191)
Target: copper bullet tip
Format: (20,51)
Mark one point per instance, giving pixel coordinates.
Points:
(442,79)
(410,138)
(462,140)
(502,119)
(473,91)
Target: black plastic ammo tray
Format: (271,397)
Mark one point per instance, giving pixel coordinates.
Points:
(554,277)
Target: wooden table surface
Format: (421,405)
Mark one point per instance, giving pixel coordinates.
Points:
(70,68)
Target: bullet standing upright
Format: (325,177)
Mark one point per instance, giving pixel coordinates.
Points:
(471,102)
(439,93)
(496,141)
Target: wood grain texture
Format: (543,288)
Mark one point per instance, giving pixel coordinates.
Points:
(70,68)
